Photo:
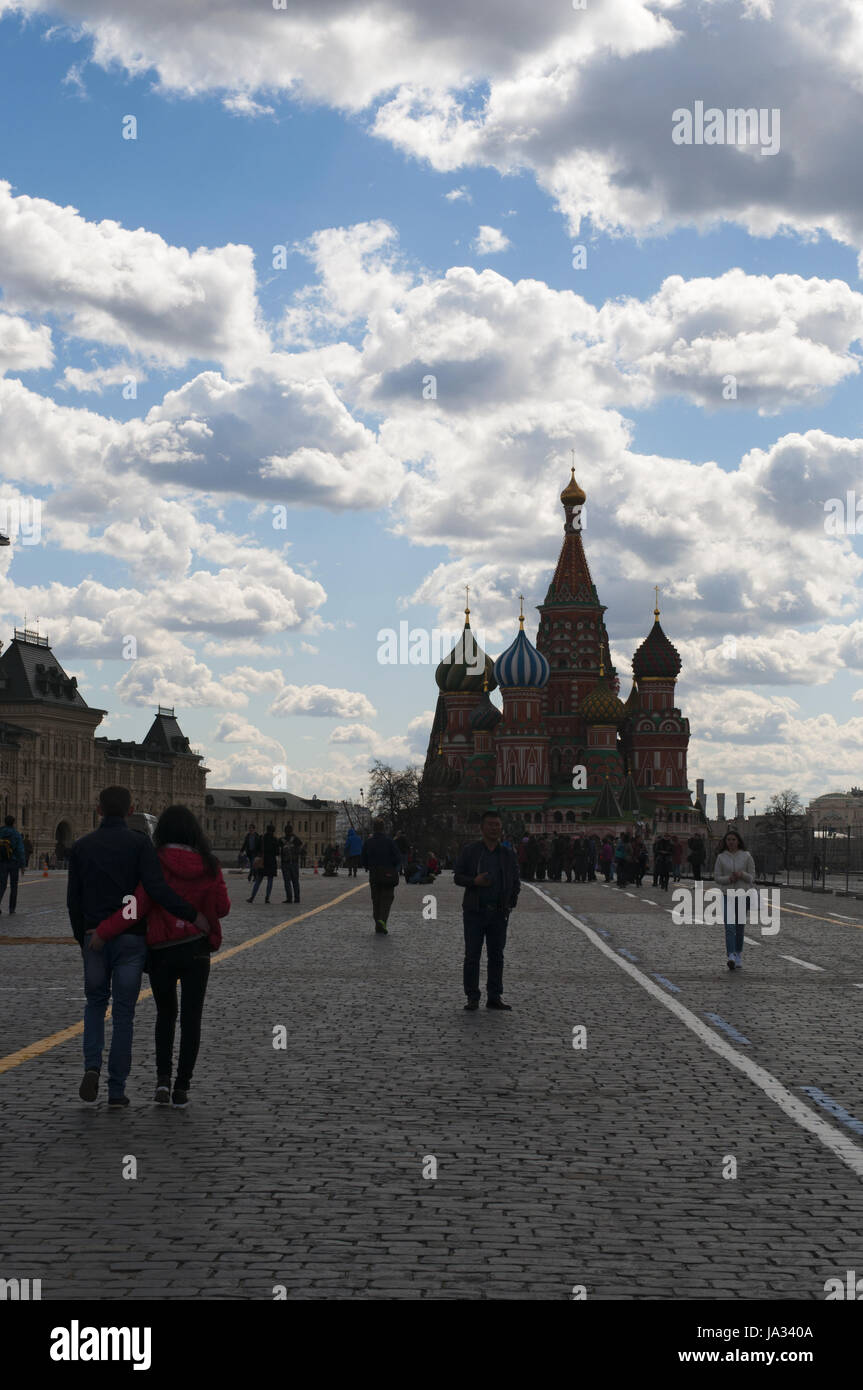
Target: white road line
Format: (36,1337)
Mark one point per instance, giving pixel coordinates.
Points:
(629,895)
(845,1149)
(797,904)
(752,942)
(650,900)
(807,963)
(842,915)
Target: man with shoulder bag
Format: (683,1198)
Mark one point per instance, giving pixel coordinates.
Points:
(488,872)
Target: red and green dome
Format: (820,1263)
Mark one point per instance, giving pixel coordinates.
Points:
(656,656)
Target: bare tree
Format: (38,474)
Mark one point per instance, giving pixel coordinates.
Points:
(785,824)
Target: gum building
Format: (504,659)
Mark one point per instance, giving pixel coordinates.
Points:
(561,711)
(52,765)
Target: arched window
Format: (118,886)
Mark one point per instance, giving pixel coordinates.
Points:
(570,816)
(512,775)
(558,818)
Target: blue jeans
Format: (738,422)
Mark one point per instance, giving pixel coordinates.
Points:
(113,973)
(9,874)
(259,881)
(734,929)
(487,924)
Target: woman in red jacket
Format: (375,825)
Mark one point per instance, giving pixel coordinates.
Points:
(179,953)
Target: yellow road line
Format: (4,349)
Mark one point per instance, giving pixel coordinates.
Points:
(831,920)
(26,1054)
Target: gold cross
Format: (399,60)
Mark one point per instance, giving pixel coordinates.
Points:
(656,609)
(467,600)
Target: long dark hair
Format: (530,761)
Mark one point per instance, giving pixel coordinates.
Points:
(732,831)
(179,826)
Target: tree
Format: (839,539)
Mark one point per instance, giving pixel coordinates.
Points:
(393,795)
(785,824)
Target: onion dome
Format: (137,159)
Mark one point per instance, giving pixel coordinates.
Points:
(600,705)
(440,774)
(573,494)
(632,704)
(656,656)
(521,665)
(486,717)
(467,668)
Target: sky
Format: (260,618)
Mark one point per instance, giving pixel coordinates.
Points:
(306,306)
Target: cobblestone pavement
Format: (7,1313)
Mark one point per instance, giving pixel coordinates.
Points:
(556,1166)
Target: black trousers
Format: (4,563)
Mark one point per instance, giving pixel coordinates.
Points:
(291,878)
(382,901)
(189,966)
(487,925)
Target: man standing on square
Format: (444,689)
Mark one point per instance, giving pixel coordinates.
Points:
(488,872)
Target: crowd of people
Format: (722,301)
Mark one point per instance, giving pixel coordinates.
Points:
(626,858)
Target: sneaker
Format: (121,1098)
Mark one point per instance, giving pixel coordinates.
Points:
(381,928)
(738,960)
(118,1102)
(472,1004)
(89,1088)
(731,963)
(163,1091)
(498,1004)
(180,1098)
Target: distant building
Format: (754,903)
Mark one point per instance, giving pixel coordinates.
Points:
(52,766)
(228,813)
(836,811)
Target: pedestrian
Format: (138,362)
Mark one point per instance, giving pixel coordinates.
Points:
(489,875)
(696,856)
(382,857)
(579,860)
(292,852)
(178,951)
(28,851)
(268,858)
(662,860)
(13,861)
(403,846)
(567,857)
(532,857)
(622,859)
(676,858)
(251,847)
(105,868)
(353,850)
(734,872)
(606,856)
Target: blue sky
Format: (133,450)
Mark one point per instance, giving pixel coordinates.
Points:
(393,503)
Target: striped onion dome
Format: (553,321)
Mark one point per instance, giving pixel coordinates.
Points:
(521,664)
(486,716)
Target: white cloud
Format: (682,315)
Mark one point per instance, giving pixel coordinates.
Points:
(322,701)
(490,240)
(24,347)
(457,194)
(128,289)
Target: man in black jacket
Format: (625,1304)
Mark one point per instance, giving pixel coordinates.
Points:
(105,868)
(383,861)
(488,872)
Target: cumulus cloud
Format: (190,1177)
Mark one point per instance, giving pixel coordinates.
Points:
(128,289)
(490,240)
(322,701)
(24,347)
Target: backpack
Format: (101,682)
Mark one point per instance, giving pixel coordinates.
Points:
(7,851)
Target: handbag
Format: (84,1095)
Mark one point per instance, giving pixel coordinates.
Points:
(258,864)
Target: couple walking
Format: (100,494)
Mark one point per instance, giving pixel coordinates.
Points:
(135,907)
(266,852)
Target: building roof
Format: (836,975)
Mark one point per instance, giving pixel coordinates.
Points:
(30,672)
(234,799)
(466,668)
(521,666)
(166,736)
(656,656)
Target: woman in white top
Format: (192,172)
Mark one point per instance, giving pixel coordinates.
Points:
(734,869)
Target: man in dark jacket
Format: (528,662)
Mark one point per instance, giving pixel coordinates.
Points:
(696,856)
(12,861)
(105,868)
(382,859)
(251,847)
(292,849)
(488,872)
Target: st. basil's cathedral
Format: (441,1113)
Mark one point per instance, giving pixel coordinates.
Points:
(561,712)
